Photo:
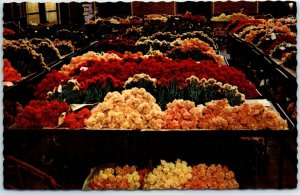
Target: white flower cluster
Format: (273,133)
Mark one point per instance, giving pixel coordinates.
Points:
(133,109)
(168,175)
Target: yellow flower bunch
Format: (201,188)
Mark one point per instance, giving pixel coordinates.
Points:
(126,178)
(168,175)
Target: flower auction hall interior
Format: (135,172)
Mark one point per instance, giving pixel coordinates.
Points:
(144,95)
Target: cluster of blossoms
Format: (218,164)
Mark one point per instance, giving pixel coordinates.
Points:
(212,177)
(7,31)
(118,44)
(85,60)
(181,114)
(269,35)
(193,48)
(168,36)
(140,78)
(218,114)
(23,57)
(125,178)
(133,109)
(64,46)
(50,82)
(168,176)
(158,17)
(158,67)
(221,18)
(9,73)
(87,68)
(282,50)
(75,120)
(40,113)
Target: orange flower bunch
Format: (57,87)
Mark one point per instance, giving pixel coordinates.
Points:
(212,177)
(133,109)
(9,73)
(83,61)
(168,176)
(218,114)
(189,44)
(155,17)
(239,16)
(251,36)
(126,178)
(181,114)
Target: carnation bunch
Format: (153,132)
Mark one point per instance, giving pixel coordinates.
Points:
(49,52)
(141,81)
(133,109)
(64,46)
(9,73)
(213,177)
(168,176)
(87,60)
(204,90)
(125,178)
(23,57)
(40,113)
(218,114)
(75,120)
(181,114)
(51,81)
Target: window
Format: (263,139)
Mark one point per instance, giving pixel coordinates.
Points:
(33,14)
(51,12)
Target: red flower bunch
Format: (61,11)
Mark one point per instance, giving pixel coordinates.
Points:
(198,18)
(7,31)
(9,73)
(40,113)
(103,79)
(52,80)
(280,38)
(166,70)
(76,120)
